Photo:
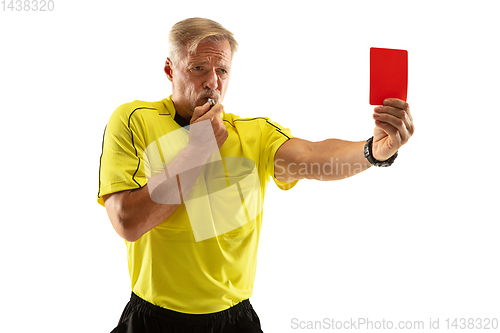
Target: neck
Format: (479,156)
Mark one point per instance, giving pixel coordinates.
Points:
(182,112)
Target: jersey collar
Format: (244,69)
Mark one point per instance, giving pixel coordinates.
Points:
(170,109)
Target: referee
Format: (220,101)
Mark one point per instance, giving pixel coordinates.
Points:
(183,182)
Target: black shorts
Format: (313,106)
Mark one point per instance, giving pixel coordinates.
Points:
(141,316)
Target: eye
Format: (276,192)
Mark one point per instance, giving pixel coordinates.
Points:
(196,68)
(223,71)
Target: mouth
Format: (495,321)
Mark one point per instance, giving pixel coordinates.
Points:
(201,100)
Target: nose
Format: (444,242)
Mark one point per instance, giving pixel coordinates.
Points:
(212,80)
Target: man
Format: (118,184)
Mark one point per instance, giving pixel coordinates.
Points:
(183,183)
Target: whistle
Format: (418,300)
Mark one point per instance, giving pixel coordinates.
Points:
(212,103)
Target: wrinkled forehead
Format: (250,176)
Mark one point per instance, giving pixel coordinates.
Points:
(220,51)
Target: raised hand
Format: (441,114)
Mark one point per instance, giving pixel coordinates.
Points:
(393,128)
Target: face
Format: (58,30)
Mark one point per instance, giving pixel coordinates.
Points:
(198,76)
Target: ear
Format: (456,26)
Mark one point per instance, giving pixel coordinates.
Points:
(169,69)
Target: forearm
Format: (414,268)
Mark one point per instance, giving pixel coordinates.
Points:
(135,212)
(330,159)
(338,159)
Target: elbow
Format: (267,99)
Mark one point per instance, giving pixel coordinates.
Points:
(127,229)
(124,223)
(131,238)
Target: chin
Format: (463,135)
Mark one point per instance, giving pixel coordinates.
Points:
(193,106)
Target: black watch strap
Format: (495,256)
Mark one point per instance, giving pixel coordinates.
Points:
(372,160)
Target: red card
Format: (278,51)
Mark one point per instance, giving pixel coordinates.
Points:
(388,74)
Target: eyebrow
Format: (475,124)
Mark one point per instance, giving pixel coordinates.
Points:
(220,64)
(198,62)
(203,61)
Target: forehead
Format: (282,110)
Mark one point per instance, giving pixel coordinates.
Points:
(208,50)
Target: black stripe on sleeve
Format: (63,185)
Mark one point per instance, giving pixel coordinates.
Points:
(133,144)
(267,121)
(100,161)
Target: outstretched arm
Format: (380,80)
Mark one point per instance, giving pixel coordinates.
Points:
(335,159)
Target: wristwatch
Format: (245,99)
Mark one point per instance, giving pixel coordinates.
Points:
(372,160)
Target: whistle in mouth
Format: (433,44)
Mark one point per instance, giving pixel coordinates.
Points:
(212,103)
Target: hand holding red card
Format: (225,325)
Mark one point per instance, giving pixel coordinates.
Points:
(388,74)
(388,90)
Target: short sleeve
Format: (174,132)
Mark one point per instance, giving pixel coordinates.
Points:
(121,165)
(274,136)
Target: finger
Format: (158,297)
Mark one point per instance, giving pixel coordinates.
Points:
(215,111)
(403,114)
(199,112)
(218,124)
(411,125)
(396,112)
(397,103)
(395,122)
(219,128)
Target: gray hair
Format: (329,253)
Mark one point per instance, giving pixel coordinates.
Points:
(190,32)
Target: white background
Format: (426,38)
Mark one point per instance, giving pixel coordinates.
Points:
(416,241)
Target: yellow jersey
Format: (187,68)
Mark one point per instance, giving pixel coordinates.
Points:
(203,258)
